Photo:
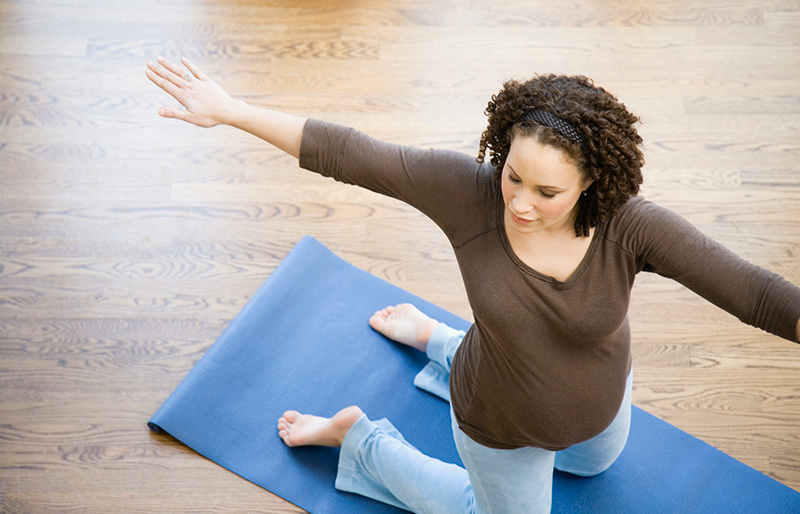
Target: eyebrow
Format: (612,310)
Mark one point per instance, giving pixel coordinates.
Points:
(551,188)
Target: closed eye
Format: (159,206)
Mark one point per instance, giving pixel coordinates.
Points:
(513,179)
(544,191)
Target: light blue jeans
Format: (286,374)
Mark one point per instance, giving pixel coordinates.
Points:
(375,460)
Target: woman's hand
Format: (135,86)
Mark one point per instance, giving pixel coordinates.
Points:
(206,104)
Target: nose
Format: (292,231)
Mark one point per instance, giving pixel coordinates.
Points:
(522,203)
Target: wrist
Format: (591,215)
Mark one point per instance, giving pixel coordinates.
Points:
(234,113)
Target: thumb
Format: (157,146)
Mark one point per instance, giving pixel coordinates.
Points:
(166,112)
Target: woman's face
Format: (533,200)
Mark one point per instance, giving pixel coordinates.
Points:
(541,186)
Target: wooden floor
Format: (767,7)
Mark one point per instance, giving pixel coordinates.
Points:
(128,242)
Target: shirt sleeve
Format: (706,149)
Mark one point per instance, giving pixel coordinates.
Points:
(667,244)
(446,186)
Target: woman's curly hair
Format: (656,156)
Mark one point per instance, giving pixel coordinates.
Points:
(611,154)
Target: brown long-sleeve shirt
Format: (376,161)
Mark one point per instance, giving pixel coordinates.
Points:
(545,362)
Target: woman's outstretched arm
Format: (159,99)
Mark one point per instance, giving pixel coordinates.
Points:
(206,104)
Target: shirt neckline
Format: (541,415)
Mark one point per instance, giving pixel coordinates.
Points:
(587,257)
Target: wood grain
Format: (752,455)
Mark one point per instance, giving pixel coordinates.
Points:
(128,242)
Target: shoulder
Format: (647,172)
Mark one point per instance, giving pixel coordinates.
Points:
(639,214)
(640,225)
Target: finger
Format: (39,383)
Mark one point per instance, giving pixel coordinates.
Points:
(166,112)
(167,75)
(197,72)
(179,74)
(163,83)
(158,74)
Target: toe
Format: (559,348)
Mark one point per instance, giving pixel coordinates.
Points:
(290,416)
(377,322)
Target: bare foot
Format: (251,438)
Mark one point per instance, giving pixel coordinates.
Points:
(405,324)
(306,430)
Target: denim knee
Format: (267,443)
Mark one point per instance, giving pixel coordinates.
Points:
(582,466)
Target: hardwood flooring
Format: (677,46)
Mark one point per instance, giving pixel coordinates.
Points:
(128,242)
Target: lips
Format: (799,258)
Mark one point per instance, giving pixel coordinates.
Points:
(519,219)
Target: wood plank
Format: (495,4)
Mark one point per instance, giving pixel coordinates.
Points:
(128,242)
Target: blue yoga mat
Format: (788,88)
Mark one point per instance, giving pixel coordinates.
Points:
(302,342)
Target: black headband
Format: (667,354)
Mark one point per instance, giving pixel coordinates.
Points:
(565,129)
